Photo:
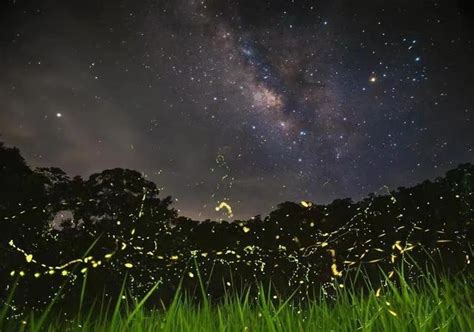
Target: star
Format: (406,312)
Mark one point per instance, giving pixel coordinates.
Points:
(231,77)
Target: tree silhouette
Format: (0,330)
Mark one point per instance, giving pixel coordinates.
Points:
(137,234)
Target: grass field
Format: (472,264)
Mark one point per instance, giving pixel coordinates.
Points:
(430,306)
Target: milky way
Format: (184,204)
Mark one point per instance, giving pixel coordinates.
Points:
(246,102)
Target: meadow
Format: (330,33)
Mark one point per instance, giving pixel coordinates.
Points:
(431,305)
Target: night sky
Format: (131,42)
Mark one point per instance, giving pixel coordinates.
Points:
(249,102)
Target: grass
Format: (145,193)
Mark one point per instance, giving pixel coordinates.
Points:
(445,305)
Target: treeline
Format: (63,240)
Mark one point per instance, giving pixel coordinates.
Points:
(57,231)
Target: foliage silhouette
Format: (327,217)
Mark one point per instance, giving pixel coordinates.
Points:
(50,220)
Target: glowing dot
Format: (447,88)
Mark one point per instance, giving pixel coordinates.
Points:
(246,229)
(128,265)
(29,258)
(227,207)
(393,313)
(59,115)
(335,272)
(373,79)
(87,259)
(377,293)
(306,204)
(191,275)
(443,241)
